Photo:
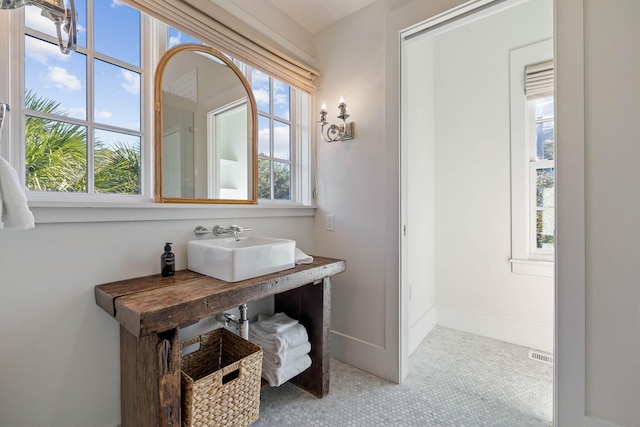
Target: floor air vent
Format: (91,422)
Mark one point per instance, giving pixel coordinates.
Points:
(541,357)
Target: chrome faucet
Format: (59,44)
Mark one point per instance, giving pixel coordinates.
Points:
(219,231)
(233,229)
(242,324)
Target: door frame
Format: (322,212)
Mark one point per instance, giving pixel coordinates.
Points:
(569,319)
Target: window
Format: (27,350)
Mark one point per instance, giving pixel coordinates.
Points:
(275,148)
(83,111)
(532,160)
(87,116)
(541,193)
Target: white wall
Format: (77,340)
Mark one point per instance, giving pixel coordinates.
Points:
(475,288)
(59,361)
(612,151)
(358,180)
(351,186)
(270,23)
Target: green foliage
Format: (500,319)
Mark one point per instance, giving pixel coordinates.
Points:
(55,152)
(545,180)
(264,179)
(56,155)
(117,169)
(281,180)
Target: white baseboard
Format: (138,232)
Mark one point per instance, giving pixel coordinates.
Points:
(521,333)
(361,354)
(597,422)
(421,328)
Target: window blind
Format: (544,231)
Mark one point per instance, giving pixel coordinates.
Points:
(214,26)
(539,80)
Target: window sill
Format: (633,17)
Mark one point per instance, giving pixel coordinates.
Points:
(47,212)
(532,267)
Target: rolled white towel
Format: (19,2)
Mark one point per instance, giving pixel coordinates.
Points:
(278,376)
(280,359)
(302,258)
(277,343)
(276,323)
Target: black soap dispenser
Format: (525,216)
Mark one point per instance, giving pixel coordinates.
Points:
(168,261)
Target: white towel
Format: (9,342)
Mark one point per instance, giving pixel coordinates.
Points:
(276,323)
(14,211)
(277,343)
(278,376)
(302,258)
(280,359)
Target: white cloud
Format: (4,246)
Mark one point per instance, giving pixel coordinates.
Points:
(281,142)
(281,100)
(78,112)
(261,96)
(280,94)
(130,81)
(264,135)
(34,19)
(116,3)
(43,52)
(281,134)
(63,80)
(175,40)
(259,78)
(103,115)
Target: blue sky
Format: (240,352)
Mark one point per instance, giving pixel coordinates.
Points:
(63,78)
(281,109)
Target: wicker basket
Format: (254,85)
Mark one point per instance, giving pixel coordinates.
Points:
(221,381)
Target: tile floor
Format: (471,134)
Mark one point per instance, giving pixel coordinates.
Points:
(456,379)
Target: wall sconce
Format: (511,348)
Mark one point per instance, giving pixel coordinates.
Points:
(335,132)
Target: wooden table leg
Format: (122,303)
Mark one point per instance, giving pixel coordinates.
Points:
(311,305)
(150,379)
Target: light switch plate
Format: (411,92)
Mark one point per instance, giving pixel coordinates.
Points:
(331,222)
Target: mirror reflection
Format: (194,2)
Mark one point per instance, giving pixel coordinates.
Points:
(205,129)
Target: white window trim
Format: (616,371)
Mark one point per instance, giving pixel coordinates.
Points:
(523,259)
(87,212)
(303,159)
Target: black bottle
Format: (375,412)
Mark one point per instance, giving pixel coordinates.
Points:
(168,261)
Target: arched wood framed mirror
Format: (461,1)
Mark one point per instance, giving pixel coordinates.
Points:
(205,129)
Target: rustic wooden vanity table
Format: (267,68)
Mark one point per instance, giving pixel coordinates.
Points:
(152,309)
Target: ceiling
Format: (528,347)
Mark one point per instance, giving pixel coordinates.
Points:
(314,15)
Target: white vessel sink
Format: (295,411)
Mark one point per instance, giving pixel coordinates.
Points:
(233,260)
